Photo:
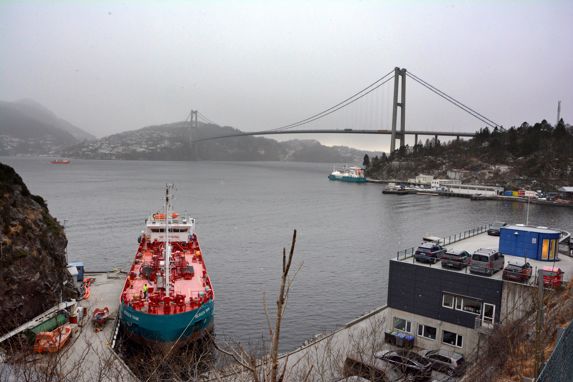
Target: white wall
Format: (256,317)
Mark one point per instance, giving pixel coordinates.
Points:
(470,336)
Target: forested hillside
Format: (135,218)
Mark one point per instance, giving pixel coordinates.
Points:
(539,155)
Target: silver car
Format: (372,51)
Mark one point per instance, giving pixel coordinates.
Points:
(487,261)
(451,363)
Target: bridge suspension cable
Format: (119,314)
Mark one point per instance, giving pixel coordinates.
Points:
(205,119)
(452,100)
(359,95)
(342,104)
(200,116)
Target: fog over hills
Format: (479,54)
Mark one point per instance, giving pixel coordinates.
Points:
(38,112)
(28,128)
(177,141)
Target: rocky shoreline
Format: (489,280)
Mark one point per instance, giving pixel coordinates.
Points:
(33,274)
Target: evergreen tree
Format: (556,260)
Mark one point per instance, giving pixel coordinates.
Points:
(366,161)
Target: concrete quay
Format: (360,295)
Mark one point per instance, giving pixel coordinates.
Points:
(91,349)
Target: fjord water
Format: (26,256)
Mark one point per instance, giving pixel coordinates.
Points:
(246,213)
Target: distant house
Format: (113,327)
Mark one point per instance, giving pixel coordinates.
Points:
(438,183)
(424,179)
(566,192)
(457,174)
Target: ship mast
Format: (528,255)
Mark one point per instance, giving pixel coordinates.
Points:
(167,251)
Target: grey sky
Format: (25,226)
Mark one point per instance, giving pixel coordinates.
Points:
(115,66)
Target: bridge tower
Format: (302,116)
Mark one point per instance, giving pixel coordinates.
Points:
(399,88)
(194,123)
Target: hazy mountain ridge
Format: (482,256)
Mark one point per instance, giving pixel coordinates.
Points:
(37,111)
(172,142)
(27,127)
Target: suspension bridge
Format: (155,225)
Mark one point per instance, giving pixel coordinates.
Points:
(397,130)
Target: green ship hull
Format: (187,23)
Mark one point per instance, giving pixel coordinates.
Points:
(350,179)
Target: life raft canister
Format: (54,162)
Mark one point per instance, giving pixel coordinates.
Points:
(159,216)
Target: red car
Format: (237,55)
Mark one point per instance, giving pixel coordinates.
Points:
(517,272)
(552,277)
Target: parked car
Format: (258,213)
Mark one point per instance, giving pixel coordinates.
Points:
(494,229)
(429,252)
(416,367)
(432,239)
(371,368)
(517,272)
(552,277)
(455,259)
(487,261)
(451,363)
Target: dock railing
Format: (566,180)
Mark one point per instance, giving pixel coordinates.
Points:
(408,252)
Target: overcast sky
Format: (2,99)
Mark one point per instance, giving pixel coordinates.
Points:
(114,66)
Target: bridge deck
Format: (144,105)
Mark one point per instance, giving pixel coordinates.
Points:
(362,131)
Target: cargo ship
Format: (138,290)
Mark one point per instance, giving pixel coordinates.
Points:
(167,296)
(349,174)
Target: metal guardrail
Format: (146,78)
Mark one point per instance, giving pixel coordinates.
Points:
(465,234)
(405,253)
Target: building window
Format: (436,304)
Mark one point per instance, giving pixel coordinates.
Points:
(451,338)
(464,304)
(427,331)
(459,303)
(471,306)
(402,324)
(448,301)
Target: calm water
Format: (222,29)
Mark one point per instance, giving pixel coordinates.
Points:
(245,215)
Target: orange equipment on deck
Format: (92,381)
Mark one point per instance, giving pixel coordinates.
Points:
(53,341)
(159,216)
(100,317)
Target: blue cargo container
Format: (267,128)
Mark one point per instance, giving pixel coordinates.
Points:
(530,242)
(508,193)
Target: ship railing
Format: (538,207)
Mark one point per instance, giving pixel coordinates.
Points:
(409,252)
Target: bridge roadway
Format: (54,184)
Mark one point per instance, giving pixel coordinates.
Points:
(361,131)
(416,133)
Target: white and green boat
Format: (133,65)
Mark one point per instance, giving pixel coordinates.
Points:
(349,174)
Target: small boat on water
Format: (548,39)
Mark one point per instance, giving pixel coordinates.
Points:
(51,342)
(60,161)
(349,174)
(168,296)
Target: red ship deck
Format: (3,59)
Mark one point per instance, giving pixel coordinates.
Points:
(190,285)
